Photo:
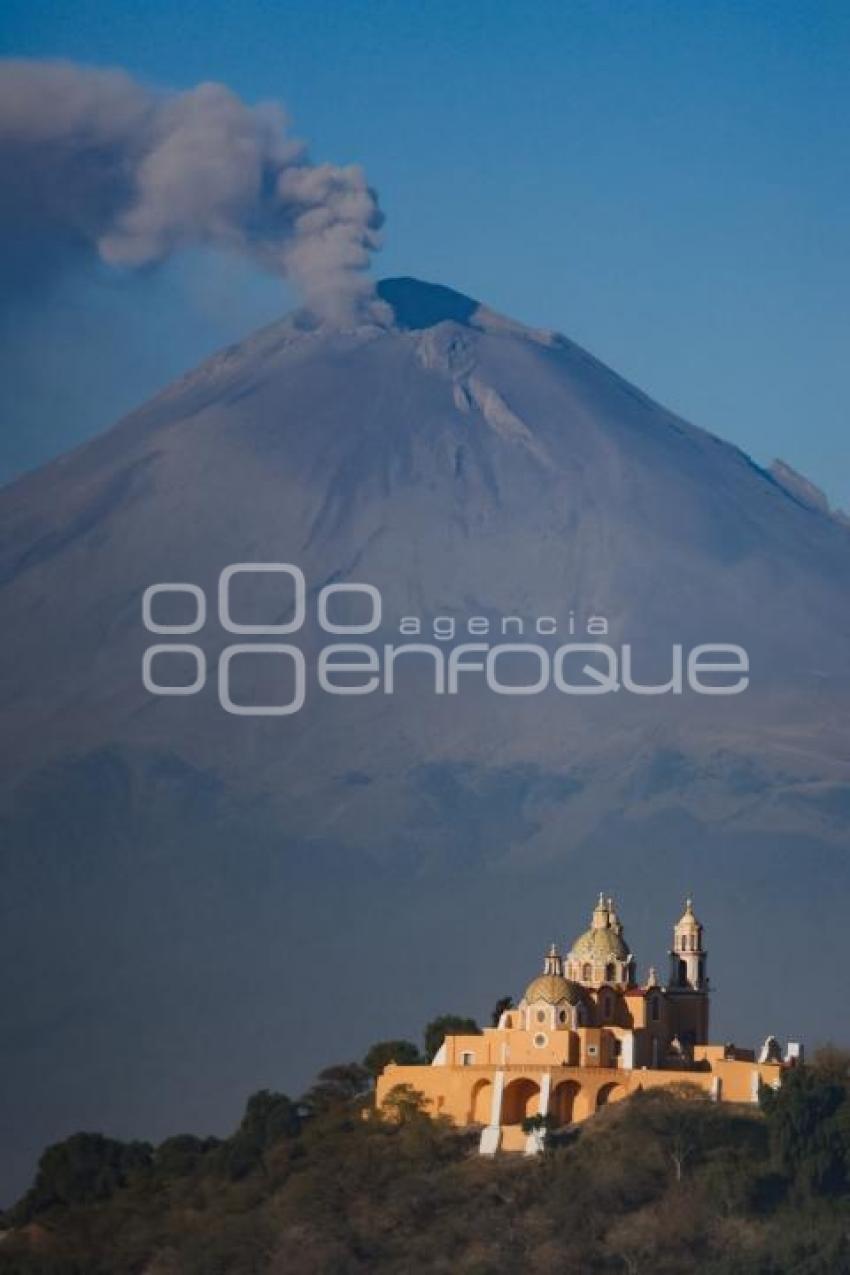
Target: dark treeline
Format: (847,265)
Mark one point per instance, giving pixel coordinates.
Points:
(665,1182)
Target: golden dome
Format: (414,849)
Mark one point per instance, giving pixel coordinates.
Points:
(553,988)
(602,945)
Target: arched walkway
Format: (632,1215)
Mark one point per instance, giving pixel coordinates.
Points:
(480,1102)
(563,1100)
(609,1093)
(520,1100)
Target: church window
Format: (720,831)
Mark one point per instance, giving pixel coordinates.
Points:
(467,1059)
(562,1016)
(684,943)
(592,1051)
(609,973)
(540,1040)
(541,1015)
(585,973)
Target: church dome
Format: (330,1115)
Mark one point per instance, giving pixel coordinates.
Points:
(553,988)
(601,945)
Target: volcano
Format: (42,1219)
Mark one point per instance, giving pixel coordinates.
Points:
(198,903)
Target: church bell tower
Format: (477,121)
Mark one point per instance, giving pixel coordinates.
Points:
(688,986)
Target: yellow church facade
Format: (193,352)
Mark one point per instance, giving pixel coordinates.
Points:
(587,1033)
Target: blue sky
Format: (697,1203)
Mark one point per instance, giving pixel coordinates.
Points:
(667,183)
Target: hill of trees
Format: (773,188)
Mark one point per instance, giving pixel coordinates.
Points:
(664,1182)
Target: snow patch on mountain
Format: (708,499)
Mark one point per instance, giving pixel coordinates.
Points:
(804,491)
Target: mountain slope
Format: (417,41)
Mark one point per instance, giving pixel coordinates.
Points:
(172,871)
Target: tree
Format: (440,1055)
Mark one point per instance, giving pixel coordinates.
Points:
(635,1238)
(503,1003)
(403,1104)
(269,1117)
(809,1121)
(532,1124)
(181,1155)
(86,1167)
(831,1062)
(679,1116)
(403,1052)
(337,1086)
(447,1025)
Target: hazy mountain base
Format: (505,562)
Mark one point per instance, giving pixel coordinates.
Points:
(204,912)
(666,1182)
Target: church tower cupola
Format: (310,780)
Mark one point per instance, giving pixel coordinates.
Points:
(688,957)
(552,963)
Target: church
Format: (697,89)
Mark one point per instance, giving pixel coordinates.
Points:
(587,1032)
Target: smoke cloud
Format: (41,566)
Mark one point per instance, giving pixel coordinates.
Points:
(94,163)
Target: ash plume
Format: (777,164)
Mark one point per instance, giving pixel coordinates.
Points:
(95,164)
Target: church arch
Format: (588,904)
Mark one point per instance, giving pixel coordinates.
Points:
(609,1093)
(563,1100)
(480,1101)
(520,1100)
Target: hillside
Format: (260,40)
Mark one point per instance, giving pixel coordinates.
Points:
(663,1183)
